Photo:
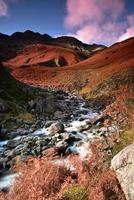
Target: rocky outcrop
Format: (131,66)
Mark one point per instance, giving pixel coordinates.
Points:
(123,165)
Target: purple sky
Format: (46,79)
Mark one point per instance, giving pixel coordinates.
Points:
(92,21)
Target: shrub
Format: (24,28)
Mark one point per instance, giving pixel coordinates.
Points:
(76,193)
(40,180)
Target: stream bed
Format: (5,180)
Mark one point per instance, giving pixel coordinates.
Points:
(71,135)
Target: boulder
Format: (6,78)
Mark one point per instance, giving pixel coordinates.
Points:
(61,114)
(58,114)
(123,165)
(13,143)
(57,127)
(61,147)
(66,136)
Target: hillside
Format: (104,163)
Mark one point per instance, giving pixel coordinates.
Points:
(47,55)
(84,76)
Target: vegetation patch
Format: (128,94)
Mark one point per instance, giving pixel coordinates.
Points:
(114,83)
(130,103)
(126,138)
(76,193)
(118,82)
(26,117)
(11,89)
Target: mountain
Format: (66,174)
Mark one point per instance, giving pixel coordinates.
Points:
(10,45)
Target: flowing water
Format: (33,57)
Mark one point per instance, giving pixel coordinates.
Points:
(81,116)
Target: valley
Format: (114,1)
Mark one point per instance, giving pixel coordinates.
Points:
(67,106)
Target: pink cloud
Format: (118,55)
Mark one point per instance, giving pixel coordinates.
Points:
(93,33)
(3,8)
(82,11)
(4,4)
(98,21)
(129,33)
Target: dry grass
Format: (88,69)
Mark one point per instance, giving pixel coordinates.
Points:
(42,180)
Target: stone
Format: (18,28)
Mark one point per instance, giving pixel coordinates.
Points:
(45,105)
(3,106)
(31,104)
(66,136)
(3,133)
(61,147)
(48,123)
(123,165)
(19,121)
(12,144)
(104,129)
(60,114)
(57,127)
(83,127)
(42,142)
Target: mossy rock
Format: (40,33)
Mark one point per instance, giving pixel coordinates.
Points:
(126,138)
(26,117)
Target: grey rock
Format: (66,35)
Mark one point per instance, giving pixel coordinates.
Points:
(48,123)
(46,104)
(12,144)
(57,127)
(61,147)
(31,104)
(61,114)
(58,114)
(123,165)
(3,106)
(19,121)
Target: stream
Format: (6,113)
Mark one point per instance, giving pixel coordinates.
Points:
(79,129)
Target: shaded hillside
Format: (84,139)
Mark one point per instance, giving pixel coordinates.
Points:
(13,98)
(10,89)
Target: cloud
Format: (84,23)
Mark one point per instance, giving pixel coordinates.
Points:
(95,21)
(3,8)
(129,33)
(83,11)
(4,4)
(93,33)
